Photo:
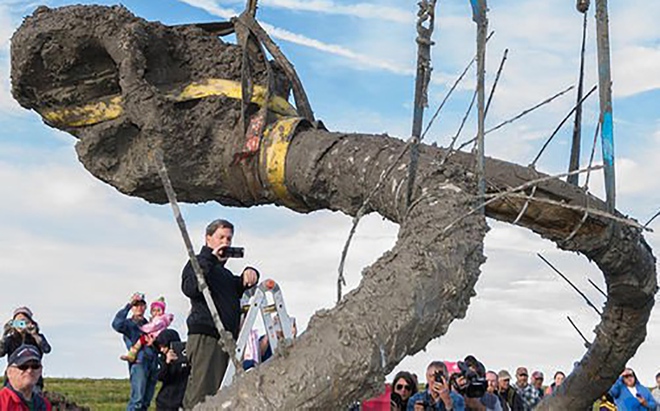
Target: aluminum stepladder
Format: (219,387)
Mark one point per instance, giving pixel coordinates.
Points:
(253,301)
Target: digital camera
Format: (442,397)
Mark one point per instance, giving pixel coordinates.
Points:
(474,383)
(19,324)
(233,252)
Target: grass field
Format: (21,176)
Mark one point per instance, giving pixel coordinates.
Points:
(102,394)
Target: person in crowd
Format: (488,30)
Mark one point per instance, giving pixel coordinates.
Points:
(23,371)
(143,373)
(22,329)
(656,391)
(173,370)
(557,380)
(493,388)
(437,396)
(537,382)
(404,386)
(207,358)
(157,323)
(527,392)
(510,395)
(630,395)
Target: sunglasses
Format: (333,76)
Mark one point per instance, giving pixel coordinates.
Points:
(25,367)
(522,375)
(402,387)
(627,375)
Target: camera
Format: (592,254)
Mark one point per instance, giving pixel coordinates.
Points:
(232,252)
(19,324)
(473,383)
(439,376)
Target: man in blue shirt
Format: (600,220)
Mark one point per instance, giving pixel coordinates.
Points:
(144,371)
(438,395)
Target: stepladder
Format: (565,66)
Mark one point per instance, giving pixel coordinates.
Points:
(265,299)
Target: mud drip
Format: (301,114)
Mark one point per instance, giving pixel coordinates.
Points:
(75,56)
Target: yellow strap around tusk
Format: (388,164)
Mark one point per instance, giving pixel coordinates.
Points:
(110,108)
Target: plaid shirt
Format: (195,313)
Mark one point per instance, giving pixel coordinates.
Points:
(530,396)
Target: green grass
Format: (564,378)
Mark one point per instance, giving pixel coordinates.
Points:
(98,394)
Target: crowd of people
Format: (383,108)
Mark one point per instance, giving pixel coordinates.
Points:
(190,371)
(467,385)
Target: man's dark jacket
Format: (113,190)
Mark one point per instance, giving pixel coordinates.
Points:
(174,376)
(513,400)
(226,291)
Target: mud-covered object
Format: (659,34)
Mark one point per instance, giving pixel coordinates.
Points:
(74,55)
(408,296)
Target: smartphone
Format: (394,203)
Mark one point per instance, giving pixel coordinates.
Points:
(233,252)
(19,324)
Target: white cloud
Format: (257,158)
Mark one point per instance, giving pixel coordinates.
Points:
(361,10)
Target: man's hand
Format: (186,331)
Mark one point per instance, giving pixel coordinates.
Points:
(249,277)
(171,356)
(218,252)
(441,390)
(136,297)
(474,404)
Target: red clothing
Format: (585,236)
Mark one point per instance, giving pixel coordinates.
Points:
(10,401)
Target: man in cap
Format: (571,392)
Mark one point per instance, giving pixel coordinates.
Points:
(512,400)
(143,372)
(23,371)
(537,382)
(529,394)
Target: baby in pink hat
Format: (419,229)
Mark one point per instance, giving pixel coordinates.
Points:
(158,322)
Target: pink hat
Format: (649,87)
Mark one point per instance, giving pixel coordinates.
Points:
(160,302)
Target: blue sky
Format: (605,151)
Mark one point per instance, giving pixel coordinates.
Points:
(74,249)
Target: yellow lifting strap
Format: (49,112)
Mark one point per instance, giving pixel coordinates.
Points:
(274,147)
(110,108)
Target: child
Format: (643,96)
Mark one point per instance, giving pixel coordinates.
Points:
(173,371)
(159,321)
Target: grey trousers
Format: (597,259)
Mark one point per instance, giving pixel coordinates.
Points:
(208,365)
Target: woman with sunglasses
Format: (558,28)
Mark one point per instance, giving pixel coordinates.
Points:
(404,387)
(630,395)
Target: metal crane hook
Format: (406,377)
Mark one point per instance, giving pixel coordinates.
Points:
(582,5)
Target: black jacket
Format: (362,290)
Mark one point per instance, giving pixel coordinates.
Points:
(512,399)
(226,291)
(173,375)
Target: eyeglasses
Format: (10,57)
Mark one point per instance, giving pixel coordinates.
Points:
(627,375)
(402,387)
(25,367)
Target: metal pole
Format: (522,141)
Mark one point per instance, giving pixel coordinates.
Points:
(479,9)
(574,162)
(605,92)
(426,14)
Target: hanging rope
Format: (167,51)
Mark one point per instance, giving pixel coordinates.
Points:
(574,162)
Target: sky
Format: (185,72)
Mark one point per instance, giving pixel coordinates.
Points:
(74,249)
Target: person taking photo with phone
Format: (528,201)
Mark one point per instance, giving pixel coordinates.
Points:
(438,395)
(207,359)
(22,329)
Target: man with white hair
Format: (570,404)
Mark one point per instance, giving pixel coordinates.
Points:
(23,372)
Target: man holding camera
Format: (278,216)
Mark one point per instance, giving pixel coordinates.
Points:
(438,395)
(207,359)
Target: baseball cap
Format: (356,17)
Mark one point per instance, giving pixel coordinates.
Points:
(537,375)
(23,354)
(139,300)
(504,375)
(521,371)
(23,310)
